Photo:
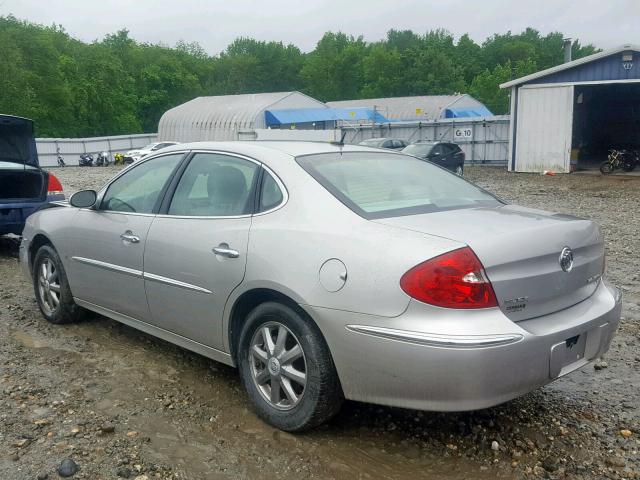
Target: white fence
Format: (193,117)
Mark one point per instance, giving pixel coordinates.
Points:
(71,148)
(483,140)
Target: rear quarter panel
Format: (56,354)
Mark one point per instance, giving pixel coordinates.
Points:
(288,246)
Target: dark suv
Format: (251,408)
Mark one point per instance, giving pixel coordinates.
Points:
(447,155)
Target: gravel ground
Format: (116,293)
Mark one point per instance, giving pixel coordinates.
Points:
(122,404)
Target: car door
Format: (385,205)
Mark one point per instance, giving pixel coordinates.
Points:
(437,156)
(197,247)
(108,241)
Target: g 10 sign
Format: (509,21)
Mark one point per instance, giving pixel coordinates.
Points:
(465,133)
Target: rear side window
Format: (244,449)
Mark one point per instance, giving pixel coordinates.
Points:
(452,148)
(137,190)
(215,185)
(270,194)
(379,185)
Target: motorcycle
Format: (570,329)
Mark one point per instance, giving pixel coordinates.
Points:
(103,159)
(60,159)
(86,160)
(626,160)
(118,159)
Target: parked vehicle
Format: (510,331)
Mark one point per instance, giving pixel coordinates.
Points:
(86,160)
(327,271)
(390,143)
(625,160)
(24,186)
(103,159)
(447,155)
(60,158)
(135,155)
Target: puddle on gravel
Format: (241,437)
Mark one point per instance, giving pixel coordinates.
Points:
(28,340)
(217,431)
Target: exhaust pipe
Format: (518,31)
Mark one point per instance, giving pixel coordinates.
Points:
(567,49)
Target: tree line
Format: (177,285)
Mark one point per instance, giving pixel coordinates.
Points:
(120,86)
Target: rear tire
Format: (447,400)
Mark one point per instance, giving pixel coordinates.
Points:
(265,361)
(51,288)
(629,167)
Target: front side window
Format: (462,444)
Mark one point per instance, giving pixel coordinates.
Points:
(138,190)
(215,185)
(379,185)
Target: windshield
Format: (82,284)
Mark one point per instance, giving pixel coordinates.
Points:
(379,185)
(372,142)
(418,149)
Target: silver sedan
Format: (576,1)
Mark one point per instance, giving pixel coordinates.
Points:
(326,272)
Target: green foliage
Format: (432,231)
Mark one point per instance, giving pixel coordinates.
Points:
(119,86)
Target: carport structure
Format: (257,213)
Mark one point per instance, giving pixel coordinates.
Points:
(568,117)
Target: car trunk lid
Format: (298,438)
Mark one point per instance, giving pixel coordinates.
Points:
(17,142)
(520,249)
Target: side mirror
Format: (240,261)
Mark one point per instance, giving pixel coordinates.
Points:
(83,199)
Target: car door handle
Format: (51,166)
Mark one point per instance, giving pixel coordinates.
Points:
(128,236)
(224,251)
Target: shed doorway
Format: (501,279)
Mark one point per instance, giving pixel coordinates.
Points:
(604,117)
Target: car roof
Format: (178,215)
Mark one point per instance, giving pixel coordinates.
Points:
(289,148)
(383,138)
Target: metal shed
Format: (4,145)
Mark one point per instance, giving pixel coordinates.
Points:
(224,117)
(420,108)
(567,117)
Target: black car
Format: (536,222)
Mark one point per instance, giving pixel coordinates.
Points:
(390,143)
(447,155)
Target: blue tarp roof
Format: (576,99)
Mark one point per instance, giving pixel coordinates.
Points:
(310,115)
(479,111)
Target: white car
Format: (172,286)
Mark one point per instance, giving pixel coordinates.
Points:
(135,155)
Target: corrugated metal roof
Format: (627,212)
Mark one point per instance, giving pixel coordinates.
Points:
(425,107)
(309,115)
(221,117)
(573,64)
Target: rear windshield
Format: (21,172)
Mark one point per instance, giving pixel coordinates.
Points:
(372,142)
(379,185)
(418,149)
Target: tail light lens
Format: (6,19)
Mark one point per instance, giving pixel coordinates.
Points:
(54,186)
(453,280)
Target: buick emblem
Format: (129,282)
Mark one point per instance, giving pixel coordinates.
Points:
(566,259)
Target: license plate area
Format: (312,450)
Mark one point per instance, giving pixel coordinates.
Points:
(568,355)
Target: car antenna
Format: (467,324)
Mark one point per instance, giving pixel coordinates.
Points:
(341,142)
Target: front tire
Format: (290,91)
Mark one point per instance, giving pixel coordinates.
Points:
(459,170)
(51,288)
(606,167)
(287,369)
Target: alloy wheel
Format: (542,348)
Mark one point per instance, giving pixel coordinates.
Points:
(49,286)
(278,365)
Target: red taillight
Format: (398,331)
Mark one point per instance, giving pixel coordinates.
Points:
(453,280)
(54,185)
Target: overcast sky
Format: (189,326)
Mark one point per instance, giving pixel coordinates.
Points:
(214,24)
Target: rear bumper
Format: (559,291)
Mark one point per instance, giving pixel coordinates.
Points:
(14,215)
(434,359)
